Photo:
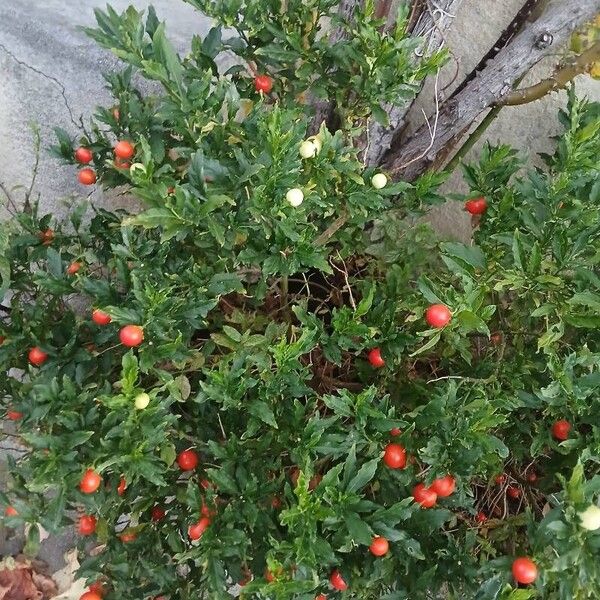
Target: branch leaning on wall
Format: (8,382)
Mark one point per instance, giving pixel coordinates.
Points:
(428,20)
(495,82)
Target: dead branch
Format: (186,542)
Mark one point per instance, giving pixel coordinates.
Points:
(560,78)
(429,20)
(537,40)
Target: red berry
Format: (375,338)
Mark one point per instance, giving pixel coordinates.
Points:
(561,429)
(122,486)
(444,486)
(532,477)
(90,596)
(158,513)
(196,530)
(37,356)
(74,267)
(438,315)
(11,511)
(131,335)
(87,524)
(478,206)
(394,456)
(46,237)
(524,570)
(276,502)
(100,317)
(379,546)
(513,491)
(87,177)
(500,479)
(481,517)
(14,415)
(187,460)
(376,359)
(321,597)
(97,587)
(337,581)
(90,482)
(122,164)
(395,432)
(425,496)
(124,150)
(83,156)
(128,536)
(263,83)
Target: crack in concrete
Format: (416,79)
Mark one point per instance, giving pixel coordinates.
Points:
(63,90)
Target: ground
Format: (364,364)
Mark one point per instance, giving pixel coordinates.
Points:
(52,76)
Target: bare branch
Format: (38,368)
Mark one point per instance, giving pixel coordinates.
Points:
(537,40)
(430,20)
(561,77)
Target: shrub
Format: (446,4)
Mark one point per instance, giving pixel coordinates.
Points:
(205,385)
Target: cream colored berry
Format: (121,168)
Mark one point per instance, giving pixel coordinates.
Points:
(308,149)
(590,518)
(379,181)
(142,401)
(295,197)
(317,143)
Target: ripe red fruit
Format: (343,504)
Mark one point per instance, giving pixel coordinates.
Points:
(514,492)
(158,513)
(187,460)
(97,587)
(321,597)
(394,456)
(425,496)
(74,267)
(496,338)
(128,536)
(438,315)
(124,150)
(90,482)
(83,156)
(90,596)
(524,570)
(477,206)
(444,486)
(37,356)
(376,359)
(276,502)
(87,524)
(379,546)
(500,479)
(11,511)
(87,177)
(337,581)
(100,317)
(131,335)
(481,517)
(561,429)
(395,431)
(532,477)
(122,164)
(196,530)
(263,83)
(14,415)
(46,237)
(122,486)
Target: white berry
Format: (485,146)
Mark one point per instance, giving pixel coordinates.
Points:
(317,143)
(379,181)
(590,518)
(308,149)
(142,401)
(295,197)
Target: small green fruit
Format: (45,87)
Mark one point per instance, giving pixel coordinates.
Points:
(142,401)
(590,518)
(295,197)
(308,149)
(379,181)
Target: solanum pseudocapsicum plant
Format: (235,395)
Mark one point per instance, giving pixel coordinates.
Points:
(217,411)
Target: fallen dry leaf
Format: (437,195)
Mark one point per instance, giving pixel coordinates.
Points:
(20,579)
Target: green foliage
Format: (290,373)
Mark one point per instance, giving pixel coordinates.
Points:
(257,318)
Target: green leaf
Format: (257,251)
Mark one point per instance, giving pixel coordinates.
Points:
(365,474)
(471,255)
(359,531)
(263,411)
(518,251)
(165,54)
(430,344)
